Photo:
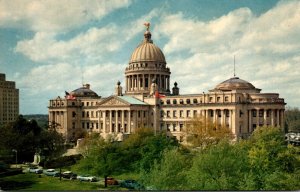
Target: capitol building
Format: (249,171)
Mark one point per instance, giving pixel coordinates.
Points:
(147,100)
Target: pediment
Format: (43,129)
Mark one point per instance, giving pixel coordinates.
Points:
(114,101)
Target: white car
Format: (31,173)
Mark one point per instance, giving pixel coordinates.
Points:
(86,178)
(35,170)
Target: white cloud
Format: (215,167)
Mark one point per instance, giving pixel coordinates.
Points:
(92,45)
(96,42)
(266,47)
(65,76)
(54,15)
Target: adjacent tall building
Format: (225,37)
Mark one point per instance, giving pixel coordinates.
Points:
(148,101)
(9,101)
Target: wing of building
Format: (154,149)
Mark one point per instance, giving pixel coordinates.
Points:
(147,101)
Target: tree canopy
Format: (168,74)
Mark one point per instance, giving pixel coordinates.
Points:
(27,137)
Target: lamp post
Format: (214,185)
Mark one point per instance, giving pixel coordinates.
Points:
(14,150)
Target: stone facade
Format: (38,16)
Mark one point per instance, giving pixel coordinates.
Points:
(234,103)
(9,100)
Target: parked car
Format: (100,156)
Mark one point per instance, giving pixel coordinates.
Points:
(51,172)
(131,184)
(112,181)
(35,170)
(86,178)
(69,175)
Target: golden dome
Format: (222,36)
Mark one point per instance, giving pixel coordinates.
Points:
(233,84)
(147,51)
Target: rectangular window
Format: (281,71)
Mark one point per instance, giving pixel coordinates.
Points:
(174,127)
(87,125)
(195,113)
(253,113)
(261,113)
(210,99)
(168,113)
(82,125)
(82,113)
(92,113)
(168,127)
(218,99)
(188,113)
(87,114)
(87,103)
(181,113)
(174,114)
(226,98)
(180,127)
(211,113)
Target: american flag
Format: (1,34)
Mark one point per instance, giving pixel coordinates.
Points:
(69,96)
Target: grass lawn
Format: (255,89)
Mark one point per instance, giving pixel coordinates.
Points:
(31,181)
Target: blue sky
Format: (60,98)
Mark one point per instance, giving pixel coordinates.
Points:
(51,46)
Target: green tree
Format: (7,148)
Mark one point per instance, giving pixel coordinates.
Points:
(27,138)
(270,158)
(101,158)
(169,173)
(218,167)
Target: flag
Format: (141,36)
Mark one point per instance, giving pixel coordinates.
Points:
(158,95)
(69,96)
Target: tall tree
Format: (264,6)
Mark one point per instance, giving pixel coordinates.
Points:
(201,132)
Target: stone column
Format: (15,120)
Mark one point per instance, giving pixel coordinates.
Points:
(272,116)
(129,121)
(278,117)
(215,117)
(138,82)
(250,121)
(110,121)
(122,121)
(233,119)
(265,117)
(117,121)
(104,121)
(257,117)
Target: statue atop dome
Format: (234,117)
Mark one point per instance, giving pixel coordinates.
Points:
(147,33)
(147,24)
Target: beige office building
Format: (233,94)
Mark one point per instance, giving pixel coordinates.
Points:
(9,101)
(234,103)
